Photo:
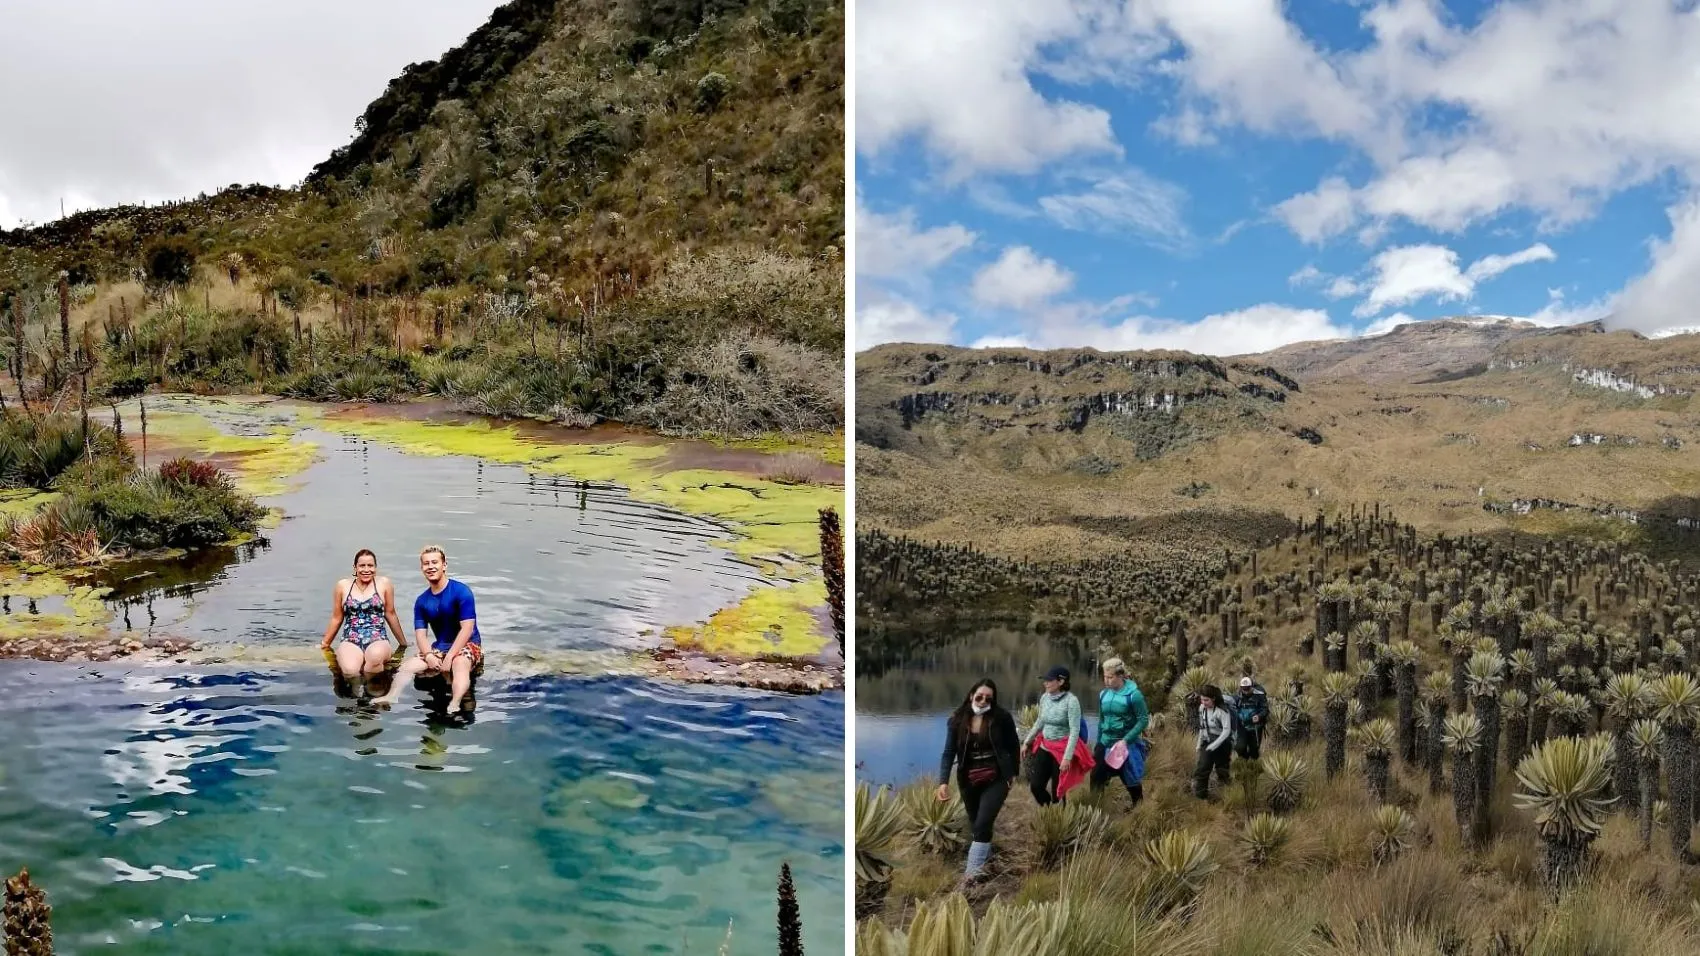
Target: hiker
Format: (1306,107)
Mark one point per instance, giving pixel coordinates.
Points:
(1122,719)
(446,612)
(1252,709)
(981,743)
(1056,759)
(1215,730)
(360,607)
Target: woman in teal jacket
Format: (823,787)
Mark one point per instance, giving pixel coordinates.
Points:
(1122,717)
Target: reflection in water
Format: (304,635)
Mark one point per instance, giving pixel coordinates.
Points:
(934,679)
(900,714)
(557,564)
(265,812)
(255,813)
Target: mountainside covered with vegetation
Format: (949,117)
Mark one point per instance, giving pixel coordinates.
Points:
(627,209)
(1062,487)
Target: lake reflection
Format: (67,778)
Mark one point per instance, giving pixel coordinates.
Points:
(900,713)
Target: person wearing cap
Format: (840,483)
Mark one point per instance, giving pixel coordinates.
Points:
(1058,760)
(1252,705)
(1122,719)
(1215,752)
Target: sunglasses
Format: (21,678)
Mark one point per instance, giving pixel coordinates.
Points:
(982,698)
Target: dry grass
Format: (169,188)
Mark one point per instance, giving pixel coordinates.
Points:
(1011,491)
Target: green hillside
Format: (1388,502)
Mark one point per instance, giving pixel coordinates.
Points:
(628,209)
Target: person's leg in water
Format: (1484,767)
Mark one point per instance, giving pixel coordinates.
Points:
(350,659)
(410,669)
(988,800)
(378,654)
(460,679)
(1042,773)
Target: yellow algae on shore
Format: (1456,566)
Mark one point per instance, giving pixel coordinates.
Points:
(774,522)
(71,610)
(260,464)
(771,621)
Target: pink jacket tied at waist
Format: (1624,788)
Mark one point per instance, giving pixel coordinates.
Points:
(1077,769)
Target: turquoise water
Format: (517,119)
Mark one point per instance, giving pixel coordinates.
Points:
(252,809)
(256,812)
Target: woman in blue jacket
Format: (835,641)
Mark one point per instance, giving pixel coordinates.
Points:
(1122,718)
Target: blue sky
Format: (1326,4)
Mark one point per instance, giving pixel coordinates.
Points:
(1231,175)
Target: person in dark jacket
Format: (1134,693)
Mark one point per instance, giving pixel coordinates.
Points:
(983,746)
(1252,706)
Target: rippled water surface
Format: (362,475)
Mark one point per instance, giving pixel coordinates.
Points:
(251,809)
(554,565)
(258,813)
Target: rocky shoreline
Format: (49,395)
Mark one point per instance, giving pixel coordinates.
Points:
(776,675)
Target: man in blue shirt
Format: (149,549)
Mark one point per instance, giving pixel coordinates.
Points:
(445,612)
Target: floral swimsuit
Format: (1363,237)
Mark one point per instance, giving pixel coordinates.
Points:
(363,620)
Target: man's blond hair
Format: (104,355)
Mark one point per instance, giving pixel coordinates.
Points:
(431,548)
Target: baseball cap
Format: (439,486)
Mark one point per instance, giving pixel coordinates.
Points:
(1056,673)
(1245,682)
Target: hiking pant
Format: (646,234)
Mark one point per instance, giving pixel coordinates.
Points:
(1251,742)
(983,804)
(1102,772)
(1042,776)
(1208,759)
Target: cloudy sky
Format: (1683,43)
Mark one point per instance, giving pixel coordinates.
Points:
(1233,175)
(115,101)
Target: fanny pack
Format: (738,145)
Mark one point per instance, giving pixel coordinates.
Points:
(982,776)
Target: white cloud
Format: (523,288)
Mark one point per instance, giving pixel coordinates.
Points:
(1489,266)
(1666,296)
(1550,105)
(1309,275)
(891,319)
(1407,274)
(1021,279)
(1342,288)
(1322,214)
(890,246)
(177,97)
(1129,201)
(956,75)
(1256,329)
(1386,324)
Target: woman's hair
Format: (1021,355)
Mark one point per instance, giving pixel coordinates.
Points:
(364,553)
(1115,668)
(1066,682)
(1213,692)
(965,710)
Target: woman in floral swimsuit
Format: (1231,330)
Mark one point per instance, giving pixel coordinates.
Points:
(361,607)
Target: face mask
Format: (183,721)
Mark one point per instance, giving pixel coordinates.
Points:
(978,709)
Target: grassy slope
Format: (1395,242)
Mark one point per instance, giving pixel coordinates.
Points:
(561,179)
(1324,895)
(581,134)
(1434,452)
